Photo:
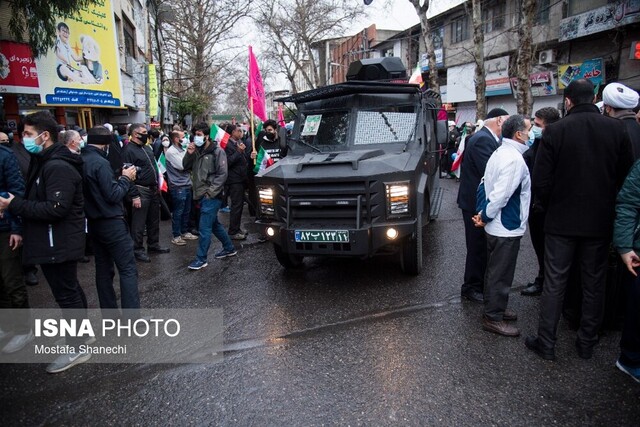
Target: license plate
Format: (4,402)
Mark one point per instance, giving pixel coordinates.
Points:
(322,236)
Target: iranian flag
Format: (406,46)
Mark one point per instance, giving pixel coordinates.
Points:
(263,160)
(218,135)
(162,168)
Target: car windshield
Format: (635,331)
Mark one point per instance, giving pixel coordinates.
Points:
(385,125)
(329,130)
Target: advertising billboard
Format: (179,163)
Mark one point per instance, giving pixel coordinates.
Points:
(83,66)
(18,73)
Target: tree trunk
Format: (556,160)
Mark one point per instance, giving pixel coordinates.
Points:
(425,30)
(524,97)
(478,53)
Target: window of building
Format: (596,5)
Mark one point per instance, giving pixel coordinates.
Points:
(493,16)
(459,29)
(542,12)
(129,39)
(388,52)
(579,6)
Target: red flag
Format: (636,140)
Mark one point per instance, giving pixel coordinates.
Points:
(255,89)
(281,121)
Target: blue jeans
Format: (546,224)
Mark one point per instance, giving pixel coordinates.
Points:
(181,198)
(208,224)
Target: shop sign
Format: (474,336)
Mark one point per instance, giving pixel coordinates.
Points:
(18,73)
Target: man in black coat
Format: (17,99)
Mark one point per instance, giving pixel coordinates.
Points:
(543,117)
(237,162)
(476,154)
(581,164)
(53,215)
(104,195)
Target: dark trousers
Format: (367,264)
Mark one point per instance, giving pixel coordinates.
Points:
(236,203)
(630,342)
(63,281)
(476,262)
(13,292)
(113,244)
(502,254)
(181,197)
(591,256)
(252,194)
(148,215)
(536,231)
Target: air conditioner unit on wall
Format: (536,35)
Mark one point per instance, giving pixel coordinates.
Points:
(546,56)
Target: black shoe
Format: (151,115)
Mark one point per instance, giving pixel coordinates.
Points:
(158,250)
(533,289)
(533,344)
(473,296)
(30,278)
(584,352)
(142,257)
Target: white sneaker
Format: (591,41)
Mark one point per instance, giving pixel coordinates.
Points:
(189,236)
(66,361)
(178,241)
(18,342)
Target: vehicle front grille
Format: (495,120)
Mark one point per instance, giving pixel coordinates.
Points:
(330,204)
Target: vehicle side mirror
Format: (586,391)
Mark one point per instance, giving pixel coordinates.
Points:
(282,137)
(442,131)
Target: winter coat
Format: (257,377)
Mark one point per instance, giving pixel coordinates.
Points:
(236,163)
(208,171)
(478,148)
(52,209)
(11,181)
(581,164)
(626,231)
(504,205)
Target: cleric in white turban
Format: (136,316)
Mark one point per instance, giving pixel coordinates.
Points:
(619,97)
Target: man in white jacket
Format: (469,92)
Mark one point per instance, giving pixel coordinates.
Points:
(503,209)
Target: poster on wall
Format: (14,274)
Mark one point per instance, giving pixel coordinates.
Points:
(153,91)
(592,69)
(83,66)
(542,84)
(18,73)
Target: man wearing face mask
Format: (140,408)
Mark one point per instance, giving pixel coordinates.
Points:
(180,188)
(72,140)
(619,102)
(477,151)
(208,165)
(53,214)
(581,164)
(269,140)
(543,117)
(504,208)
(145,194)
(105,214)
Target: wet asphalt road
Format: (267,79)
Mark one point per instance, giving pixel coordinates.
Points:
(345,342)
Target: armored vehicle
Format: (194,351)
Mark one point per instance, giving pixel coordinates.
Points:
(360,178)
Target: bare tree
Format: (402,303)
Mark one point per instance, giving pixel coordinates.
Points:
(478,56)
(292,26)
(425,30)
(200,41)
(524,97)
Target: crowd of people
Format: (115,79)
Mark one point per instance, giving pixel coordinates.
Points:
(63,190)
(573,182)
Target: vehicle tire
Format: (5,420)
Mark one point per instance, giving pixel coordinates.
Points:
(411,257)
(287,260)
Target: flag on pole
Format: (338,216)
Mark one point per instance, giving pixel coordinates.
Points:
(281,121)
(263,160)
(162,168)
(217,134)
(416,77)
(255,89)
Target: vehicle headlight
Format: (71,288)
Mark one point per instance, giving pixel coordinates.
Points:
(397,199)
(265,197)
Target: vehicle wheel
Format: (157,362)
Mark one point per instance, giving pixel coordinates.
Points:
(287,260)
(411,260)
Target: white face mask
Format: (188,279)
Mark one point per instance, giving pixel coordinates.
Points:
(166,143)
(198,140)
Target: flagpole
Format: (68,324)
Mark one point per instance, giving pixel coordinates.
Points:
(253,136)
